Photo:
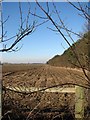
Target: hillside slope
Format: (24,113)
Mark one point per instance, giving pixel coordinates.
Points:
(68,58)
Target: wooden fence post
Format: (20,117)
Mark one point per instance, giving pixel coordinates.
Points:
(79,103)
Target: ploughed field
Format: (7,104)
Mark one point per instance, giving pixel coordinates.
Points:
(27,93)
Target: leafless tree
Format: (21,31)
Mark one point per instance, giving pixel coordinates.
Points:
(64,31)
(25,28)
(60,26)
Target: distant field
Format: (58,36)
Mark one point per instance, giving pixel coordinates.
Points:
(17,67)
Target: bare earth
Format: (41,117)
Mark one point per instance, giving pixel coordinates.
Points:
(39,76)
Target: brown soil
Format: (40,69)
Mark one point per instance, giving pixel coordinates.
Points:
(39,105)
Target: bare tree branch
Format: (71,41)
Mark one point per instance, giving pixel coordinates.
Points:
(43,89)
(61,33)
(87,16)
